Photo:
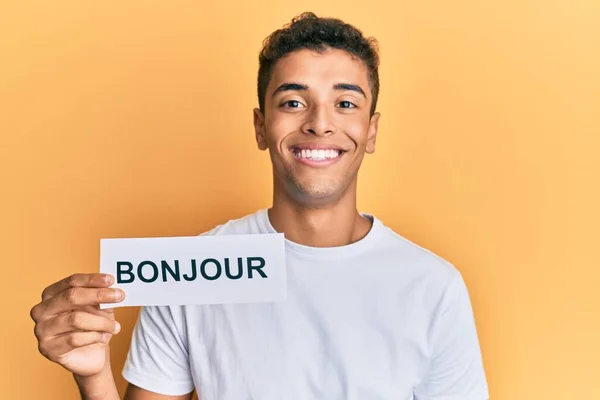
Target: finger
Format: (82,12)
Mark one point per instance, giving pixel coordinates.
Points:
(76,321)
(77,297)
(60,345)
(77,280)
(95,309)
(37,312)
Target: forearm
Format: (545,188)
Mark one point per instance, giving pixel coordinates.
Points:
(98,387)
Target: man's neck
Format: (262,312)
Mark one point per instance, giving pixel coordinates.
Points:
(331,226)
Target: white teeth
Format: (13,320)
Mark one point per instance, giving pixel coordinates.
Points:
(317,155)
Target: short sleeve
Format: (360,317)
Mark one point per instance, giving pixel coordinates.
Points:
(455,370)
(158,357)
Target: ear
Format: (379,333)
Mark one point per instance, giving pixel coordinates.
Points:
(259,129)
(372,133)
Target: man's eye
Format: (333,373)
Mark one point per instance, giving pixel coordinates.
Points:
(346,104)
(292,104)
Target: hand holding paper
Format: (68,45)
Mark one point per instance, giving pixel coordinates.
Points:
(70,328)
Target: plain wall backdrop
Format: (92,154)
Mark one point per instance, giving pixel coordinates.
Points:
(129,119)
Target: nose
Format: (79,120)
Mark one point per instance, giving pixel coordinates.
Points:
(318,122)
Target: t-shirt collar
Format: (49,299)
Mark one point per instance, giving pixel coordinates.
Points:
(350,250)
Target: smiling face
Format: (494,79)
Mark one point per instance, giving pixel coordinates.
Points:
(317,124)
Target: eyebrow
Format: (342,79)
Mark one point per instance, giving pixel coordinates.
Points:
(349,86)
(285,87)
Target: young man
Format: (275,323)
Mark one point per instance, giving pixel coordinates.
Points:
(369,315)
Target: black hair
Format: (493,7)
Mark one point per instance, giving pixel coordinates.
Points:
(307,31)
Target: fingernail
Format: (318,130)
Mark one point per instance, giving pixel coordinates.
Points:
(108,279)
(117,327)
(118,294)
(105,337)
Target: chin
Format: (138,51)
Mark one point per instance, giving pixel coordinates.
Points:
(315,194)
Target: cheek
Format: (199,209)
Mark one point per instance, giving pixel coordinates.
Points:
(277,127)
(357,132)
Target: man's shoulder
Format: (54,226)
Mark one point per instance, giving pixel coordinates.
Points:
(417,258)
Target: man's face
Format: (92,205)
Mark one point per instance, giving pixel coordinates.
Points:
(317,124)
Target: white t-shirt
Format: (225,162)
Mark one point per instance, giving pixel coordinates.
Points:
(381,318)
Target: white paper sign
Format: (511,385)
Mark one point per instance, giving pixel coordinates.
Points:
(196,270)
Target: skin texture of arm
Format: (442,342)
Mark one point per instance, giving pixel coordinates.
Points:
(135,393)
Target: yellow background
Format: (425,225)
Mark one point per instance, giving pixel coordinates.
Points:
(134,118)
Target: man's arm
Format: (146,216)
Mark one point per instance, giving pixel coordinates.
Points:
(102,387)
(135,393)
(158,359)
(74,332)
(456,369)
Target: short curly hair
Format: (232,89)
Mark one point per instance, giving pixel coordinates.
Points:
(307,31)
